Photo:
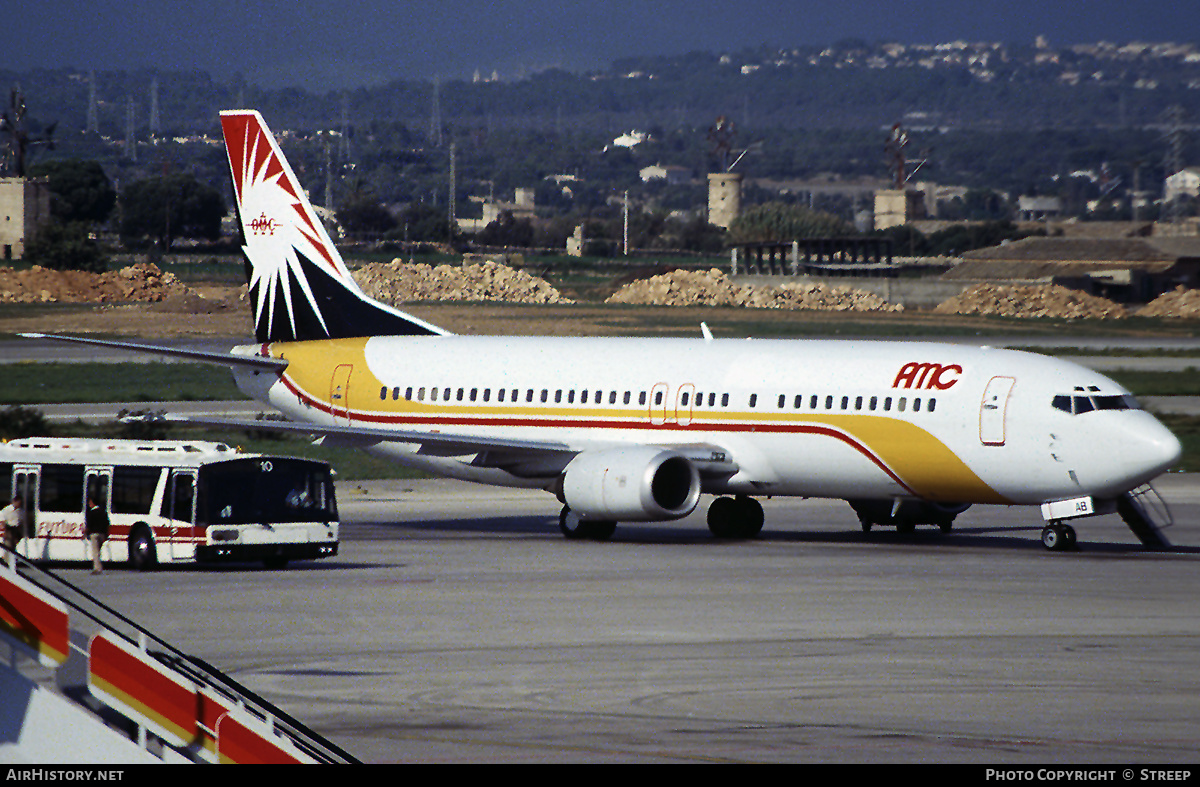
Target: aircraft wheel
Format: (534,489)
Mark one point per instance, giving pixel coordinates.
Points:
(750,517)
(1057,537)
(576,528)
(722,517)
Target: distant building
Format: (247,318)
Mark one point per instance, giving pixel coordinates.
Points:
(24,209)
(896,207)
(1038,208)
(673,175)
(1185,183)
(724,198)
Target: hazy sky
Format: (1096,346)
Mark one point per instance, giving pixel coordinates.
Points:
(325,45)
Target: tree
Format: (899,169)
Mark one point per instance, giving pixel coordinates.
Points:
(66,247)
(362,214)
(422,223)
(507,231)
(80,190)
(777,221)
(169,207)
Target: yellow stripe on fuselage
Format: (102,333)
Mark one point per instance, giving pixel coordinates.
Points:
(921,461)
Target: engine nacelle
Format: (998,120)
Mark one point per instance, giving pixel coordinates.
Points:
(636,484)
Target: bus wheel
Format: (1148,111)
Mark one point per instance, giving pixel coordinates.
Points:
(142,555)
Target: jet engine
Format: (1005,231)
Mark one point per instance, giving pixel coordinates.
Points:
(906,514)
(636,484)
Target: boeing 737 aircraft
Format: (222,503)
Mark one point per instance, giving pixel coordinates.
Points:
(639,429)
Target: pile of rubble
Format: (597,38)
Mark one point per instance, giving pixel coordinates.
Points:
(1031,301)
(1180,302)
(140,282)
(397,282)
(714,288)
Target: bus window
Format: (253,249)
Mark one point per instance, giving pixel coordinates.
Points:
(133,489)
(62,488)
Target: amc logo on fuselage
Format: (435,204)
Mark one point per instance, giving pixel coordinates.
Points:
(927,375)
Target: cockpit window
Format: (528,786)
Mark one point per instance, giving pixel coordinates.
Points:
(1077,404)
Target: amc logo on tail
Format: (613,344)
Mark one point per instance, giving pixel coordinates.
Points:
(927,375)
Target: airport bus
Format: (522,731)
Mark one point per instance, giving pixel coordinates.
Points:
(168,501)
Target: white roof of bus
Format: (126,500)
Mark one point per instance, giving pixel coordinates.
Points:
(104,452)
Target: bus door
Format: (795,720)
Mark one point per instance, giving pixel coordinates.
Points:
(339,394)
(25,486)
(97,487)
(180,507)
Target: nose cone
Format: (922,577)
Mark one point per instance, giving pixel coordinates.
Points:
(1149,449)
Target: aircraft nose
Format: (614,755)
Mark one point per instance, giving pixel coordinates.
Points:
(1151,449)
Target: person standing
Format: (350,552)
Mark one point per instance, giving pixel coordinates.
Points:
(95,521)
(12,516)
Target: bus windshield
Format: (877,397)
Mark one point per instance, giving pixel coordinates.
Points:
(254,491)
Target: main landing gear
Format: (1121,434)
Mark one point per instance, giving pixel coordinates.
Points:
(1058,536)
(735,517)
(578,529)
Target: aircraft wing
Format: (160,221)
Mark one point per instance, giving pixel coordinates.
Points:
(528,458)
(261,362)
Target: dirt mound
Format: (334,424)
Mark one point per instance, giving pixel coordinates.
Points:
(397,282)
(714,288)
(1179,302)
(140,282)
(1031,300)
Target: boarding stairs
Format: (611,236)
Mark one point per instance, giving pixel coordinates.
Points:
(81,683)
(1147,515)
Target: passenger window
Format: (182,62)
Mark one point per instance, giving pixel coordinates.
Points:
(845,402)
(433,392)
(782,401)
(712,398)
(724,400)
(628,397)
(658,397)
(583,396)
(612,397)
(545,395)
(500,395)
(683,400)
(887,404)
(396,393)
(917,405)
(420,394)
(931,404)
(753,399)
(799,400)
(383,392)
(858,402)
(408,393)
(812,402)
(900,404)
(874,402)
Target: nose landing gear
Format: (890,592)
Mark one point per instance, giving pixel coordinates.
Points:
(1057,536)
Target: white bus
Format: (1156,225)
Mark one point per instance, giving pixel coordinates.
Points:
(169,501)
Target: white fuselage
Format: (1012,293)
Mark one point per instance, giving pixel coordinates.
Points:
(822,418)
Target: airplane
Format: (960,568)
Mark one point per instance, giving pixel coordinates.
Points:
(639,429)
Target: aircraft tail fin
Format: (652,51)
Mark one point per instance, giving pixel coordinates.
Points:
(300,289)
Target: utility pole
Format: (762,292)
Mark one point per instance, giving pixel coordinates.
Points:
(453,193)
